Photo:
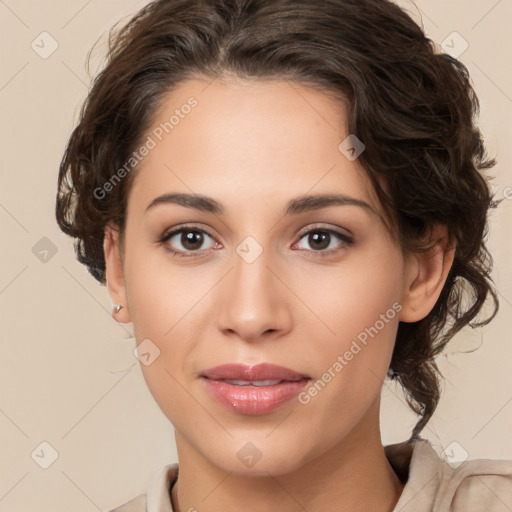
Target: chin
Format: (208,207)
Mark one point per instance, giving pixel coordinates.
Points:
(259,457)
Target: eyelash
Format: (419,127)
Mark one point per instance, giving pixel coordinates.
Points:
(167,235)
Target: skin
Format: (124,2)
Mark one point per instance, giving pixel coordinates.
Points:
(253,146)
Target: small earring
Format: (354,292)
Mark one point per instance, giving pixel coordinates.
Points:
(118,308)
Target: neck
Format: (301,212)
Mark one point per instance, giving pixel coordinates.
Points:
(354,475)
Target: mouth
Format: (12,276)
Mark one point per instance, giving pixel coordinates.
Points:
(253,390)
(256,383)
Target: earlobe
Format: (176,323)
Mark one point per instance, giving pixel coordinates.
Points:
(426,274)
(115,275)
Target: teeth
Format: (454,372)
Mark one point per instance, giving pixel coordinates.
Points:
(266,382)
(252,382)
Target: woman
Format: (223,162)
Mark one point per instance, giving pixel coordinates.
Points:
(286,199)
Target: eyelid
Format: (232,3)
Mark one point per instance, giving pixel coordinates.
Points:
(346,240)
(176,229)
(323,227)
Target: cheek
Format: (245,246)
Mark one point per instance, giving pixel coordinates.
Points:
(360,305)
(353,296)
(171,394)
(370,339)
(361,349)
(162,306)
(351,370)
(158,292)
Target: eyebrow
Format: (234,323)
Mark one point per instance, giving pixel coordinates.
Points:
(294,206)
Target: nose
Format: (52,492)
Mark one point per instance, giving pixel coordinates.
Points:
(254,302)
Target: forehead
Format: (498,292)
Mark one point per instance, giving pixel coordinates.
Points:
(249,141)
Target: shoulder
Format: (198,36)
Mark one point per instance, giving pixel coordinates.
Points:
(157,497)
(138,504)
(434,484)
(481,484)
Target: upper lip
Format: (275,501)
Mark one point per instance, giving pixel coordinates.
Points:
(263,371)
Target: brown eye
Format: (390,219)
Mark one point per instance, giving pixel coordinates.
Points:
(319,240)
(324,240)
(191,240)
(186,240)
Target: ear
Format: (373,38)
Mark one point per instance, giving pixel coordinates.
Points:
(426,273)
(115,274)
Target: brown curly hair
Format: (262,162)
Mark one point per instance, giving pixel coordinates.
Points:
(412,106)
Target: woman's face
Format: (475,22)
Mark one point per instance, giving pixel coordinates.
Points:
(265,272)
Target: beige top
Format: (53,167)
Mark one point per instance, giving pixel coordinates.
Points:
(433,485)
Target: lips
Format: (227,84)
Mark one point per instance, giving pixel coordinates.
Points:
(260,372)
(253,390)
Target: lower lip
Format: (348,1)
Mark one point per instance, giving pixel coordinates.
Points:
(254,400)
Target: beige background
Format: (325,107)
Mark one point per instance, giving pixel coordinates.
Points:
(68,375)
